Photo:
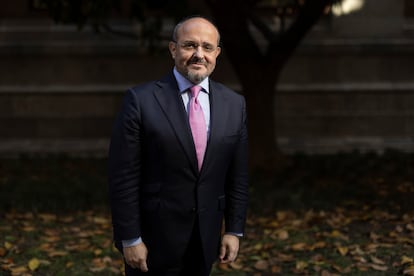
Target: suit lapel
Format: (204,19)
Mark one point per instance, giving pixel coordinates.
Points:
(170,101)
(217,124)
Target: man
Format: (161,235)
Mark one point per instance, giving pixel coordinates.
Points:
(178,164)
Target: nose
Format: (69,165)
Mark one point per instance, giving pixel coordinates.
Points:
(198,51)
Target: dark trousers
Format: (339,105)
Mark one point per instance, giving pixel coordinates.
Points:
(193,263)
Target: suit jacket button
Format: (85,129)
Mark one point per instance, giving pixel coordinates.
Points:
(193,209)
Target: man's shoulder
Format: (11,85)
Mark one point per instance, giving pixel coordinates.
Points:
(147,87)
(224,89)
(142,87)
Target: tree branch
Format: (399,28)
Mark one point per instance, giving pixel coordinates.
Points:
(263,28)
(281,49)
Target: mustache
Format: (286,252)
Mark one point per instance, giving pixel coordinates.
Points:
(197,60)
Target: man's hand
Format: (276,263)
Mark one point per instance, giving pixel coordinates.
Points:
(136,256)
(229,248)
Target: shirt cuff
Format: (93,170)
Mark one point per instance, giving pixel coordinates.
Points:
(131,242)
(234,234)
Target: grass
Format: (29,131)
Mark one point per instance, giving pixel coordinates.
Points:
(55,215)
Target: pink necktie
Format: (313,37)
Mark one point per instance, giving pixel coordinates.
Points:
(198,125)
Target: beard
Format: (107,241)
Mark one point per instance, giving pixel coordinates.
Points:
(196,77)
(193,75)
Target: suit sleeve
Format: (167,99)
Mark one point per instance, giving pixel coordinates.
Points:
(124,163)
(237,181)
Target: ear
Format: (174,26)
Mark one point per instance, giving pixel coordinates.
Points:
(172,46)
(218,51)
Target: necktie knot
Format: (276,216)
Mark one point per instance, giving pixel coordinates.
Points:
(195,90)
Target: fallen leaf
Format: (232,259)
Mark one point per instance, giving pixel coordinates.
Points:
(375,260)
(379,267)
(299,246)
(360,259)
(374,236)
(406,260)
(258,246)
(318,258)
(18,270)
(317,245)
(399,228)
(47,217)
(372,247)
(115,270)
(357,251)
(107,260)
(276,269)
(85,234)
(342,270)
(44,262)
(237,265)
(8,261)
(51,238)
(28,229)
(224,267)
(338,234)
(342,250)
(405,240)
(274,224)
(285,257)
(57,253)
(283,235)
(97,269)
(327,273)
(100,220)
(301,265)
(261,265)
(281,215)
(392,234)
(33,264)
(362,266)
(97,252)
(8,245)
(67,219)
(409,271)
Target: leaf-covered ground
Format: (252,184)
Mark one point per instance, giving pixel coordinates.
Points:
(348,214)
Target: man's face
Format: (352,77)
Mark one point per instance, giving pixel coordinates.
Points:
(196,50)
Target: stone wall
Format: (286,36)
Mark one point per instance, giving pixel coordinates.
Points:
(348,94)
(349,86)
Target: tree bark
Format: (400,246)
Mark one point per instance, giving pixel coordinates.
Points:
(264,152)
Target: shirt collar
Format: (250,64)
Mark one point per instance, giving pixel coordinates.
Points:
(184,84)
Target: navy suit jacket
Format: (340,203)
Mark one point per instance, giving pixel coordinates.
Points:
(156,190)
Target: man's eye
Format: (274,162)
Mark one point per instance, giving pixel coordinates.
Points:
(208,48)
(189,46)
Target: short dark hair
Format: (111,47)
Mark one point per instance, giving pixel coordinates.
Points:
(182,21)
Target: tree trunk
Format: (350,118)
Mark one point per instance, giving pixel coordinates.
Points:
(258,71)
(259,90)
(257,80)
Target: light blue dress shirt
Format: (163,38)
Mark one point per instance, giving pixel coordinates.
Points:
(184,86)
